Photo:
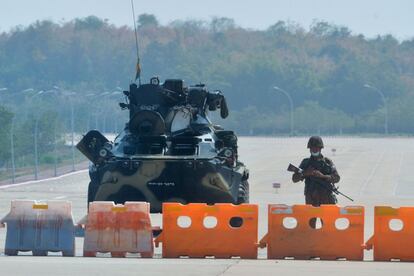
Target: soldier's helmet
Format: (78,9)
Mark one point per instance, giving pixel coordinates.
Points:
(315,141)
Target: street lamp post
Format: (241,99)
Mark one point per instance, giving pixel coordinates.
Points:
(68,94)
(88,122)
(12,151)
(103,97)
(36,169)
(55,150)
(291,107)
(384,101)
(95,114)
(36,131)
(104,124)
(72,125)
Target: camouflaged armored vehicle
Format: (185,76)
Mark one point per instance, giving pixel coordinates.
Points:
(169,151)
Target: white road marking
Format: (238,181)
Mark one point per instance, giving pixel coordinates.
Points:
(60,197)
(41,180)
(372,173)
(398,178)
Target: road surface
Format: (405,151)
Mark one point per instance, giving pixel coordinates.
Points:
(374,171)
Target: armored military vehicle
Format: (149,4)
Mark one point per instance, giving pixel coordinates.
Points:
(169,151)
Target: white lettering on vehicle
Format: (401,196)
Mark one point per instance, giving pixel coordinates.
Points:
(149,107)
(161,184)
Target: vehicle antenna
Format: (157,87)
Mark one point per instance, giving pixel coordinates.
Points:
(138,67)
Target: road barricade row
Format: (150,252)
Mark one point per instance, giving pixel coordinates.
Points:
(40,227)
(302,232)
(118,229)
(393,237)
(222,230)
(199,230)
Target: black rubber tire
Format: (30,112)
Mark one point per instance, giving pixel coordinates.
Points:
(68,253)
(11,252)
(39,252)
(243,196)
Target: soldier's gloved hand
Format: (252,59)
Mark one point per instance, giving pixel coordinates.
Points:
(318,174)
(308,172)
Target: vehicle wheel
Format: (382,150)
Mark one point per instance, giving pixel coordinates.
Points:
(11,252)
(243,196)
(39,252)
(68,253)
(92,190)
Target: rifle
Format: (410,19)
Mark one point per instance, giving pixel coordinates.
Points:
(333,189)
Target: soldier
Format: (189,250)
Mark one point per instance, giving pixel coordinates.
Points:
(320,175)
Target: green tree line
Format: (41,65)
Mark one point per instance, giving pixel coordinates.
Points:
(324,69)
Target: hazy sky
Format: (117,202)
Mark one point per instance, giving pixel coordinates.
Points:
(369,17)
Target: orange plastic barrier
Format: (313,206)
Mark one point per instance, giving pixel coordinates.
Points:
(118,229)
(299,240)
(397,243)
(199,230)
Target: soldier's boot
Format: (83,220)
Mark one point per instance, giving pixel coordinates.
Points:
(312,223)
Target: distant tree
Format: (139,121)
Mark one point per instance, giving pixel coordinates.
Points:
(45,124)
(222,24)
(341,32)
(90,22)
(146,19)
(321,28)
(278,28)
(324,69)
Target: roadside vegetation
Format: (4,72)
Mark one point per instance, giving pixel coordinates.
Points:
(58,78)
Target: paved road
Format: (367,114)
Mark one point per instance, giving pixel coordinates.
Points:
(375,171)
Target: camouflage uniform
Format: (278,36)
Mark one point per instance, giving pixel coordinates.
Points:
(315,193)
